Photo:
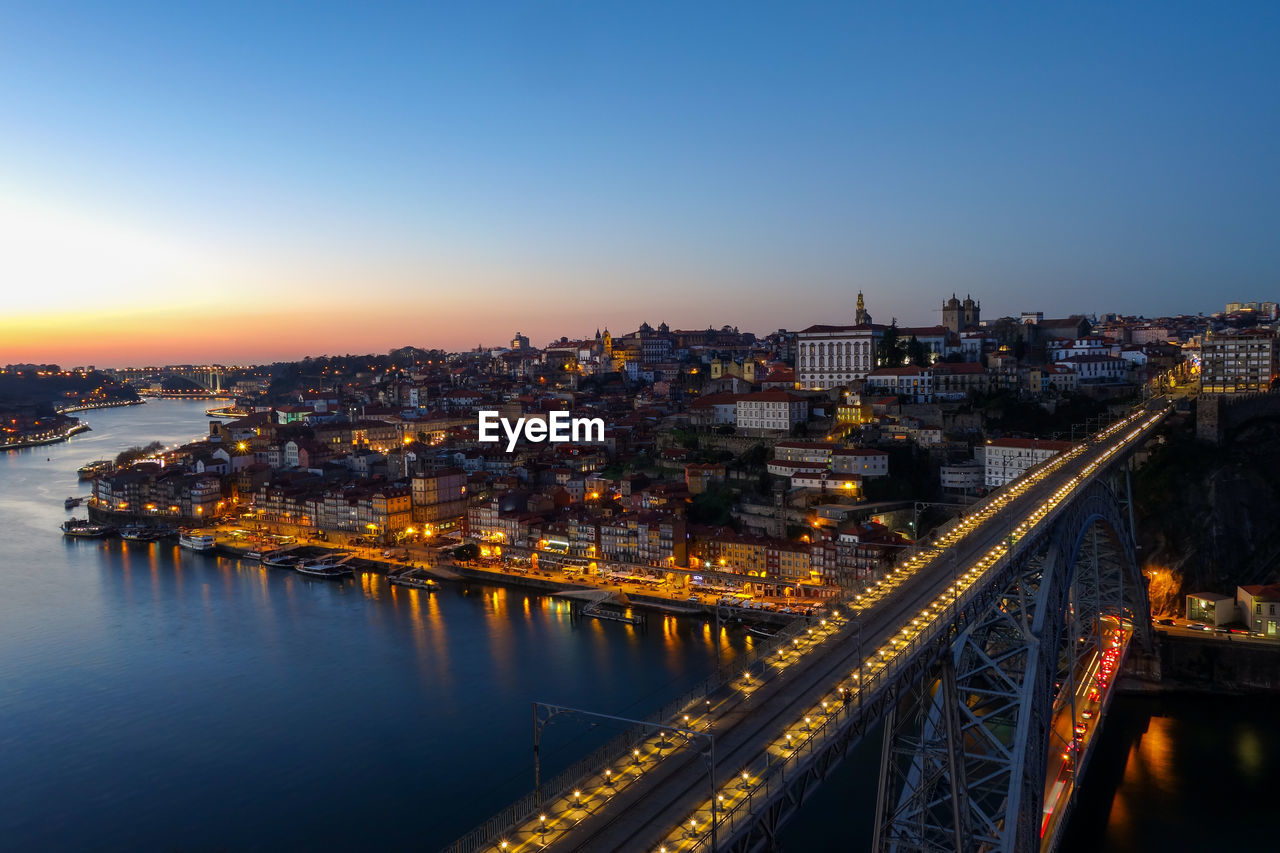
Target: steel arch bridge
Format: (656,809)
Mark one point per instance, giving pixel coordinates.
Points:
(966,762)
(981,657)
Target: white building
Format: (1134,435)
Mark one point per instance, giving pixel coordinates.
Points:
(963,475)
(770,411)
(1060,349)
(1258,606)
(866,463)
(915,384)
(1006,458)
(804,451)
(714,410)
(830,356)
(1097,369)
(792,467)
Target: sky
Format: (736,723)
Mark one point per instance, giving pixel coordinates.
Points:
(243,182)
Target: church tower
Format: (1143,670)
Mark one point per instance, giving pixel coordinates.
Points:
(971,311)
(951,316)
(861,316)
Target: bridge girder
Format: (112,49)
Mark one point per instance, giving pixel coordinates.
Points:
(965,754)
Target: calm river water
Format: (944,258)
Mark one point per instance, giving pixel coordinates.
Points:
(152,699)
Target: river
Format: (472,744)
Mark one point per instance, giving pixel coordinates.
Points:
(162,700)
(157,699)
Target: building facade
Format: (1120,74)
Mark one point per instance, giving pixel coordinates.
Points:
(1233,363)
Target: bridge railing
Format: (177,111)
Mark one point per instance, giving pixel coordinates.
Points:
(524,810)
(774,777)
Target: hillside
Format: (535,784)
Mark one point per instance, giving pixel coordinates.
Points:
(1209,517)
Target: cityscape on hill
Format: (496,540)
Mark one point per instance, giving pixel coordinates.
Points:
(639,427)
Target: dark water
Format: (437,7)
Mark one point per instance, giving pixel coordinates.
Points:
(1180,773)
(1171,773)
(152,699)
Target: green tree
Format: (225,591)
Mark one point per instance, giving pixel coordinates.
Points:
(466,552)
(889,350)
(917,353)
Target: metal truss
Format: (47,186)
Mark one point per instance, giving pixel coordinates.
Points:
(966,750)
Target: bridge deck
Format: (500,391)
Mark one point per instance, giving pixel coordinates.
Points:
(768,723)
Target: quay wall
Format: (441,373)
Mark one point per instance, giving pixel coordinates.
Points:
(1212,664)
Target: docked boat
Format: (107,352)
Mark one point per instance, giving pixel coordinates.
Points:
(73,502)
(761,632)
(330,566)
(95,469)
(280,560)
(81,527)
(142,533)
(193,540)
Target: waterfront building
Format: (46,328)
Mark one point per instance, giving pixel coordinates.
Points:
(1212,608)
(439,498)
(1260,608)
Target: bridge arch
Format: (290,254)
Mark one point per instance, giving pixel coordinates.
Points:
(968,757)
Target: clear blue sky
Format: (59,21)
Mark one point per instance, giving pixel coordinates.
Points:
(447,173)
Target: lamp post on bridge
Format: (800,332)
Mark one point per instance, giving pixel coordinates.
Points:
(544,713)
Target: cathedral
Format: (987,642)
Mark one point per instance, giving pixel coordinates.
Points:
(958,316)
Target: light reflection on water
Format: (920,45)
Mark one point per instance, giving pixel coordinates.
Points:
(181,700)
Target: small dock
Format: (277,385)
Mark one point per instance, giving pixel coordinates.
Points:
(603,605)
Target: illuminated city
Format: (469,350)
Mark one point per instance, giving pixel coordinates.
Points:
(638,428)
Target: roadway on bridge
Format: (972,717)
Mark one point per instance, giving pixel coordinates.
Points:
(661,796)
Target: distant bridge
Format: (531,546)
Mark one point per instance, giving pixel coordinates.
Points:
(989,657)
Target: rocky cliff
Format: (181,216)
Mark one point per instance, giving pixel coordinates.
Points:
(1209,516)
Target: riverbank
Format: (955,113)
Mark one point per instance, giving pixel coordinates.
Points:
(437,562)
(90,406)
(45,438)
(1212,664)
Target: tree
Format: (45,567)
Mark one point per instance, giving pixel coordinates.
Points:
(714,506)
(917,353)
(466,552)
(889,350)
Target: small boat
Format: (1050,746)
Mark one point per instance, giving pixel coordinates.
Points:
(280,560)
(330,566)
(73,502)
(195,541)
(761,632)
(142,533)
(82,528)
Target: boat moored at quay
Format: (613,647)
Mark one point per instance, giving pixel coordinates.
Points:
(280,560)
(330,566)
(83,528)
(143,533)
(95,469)
(194,540)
